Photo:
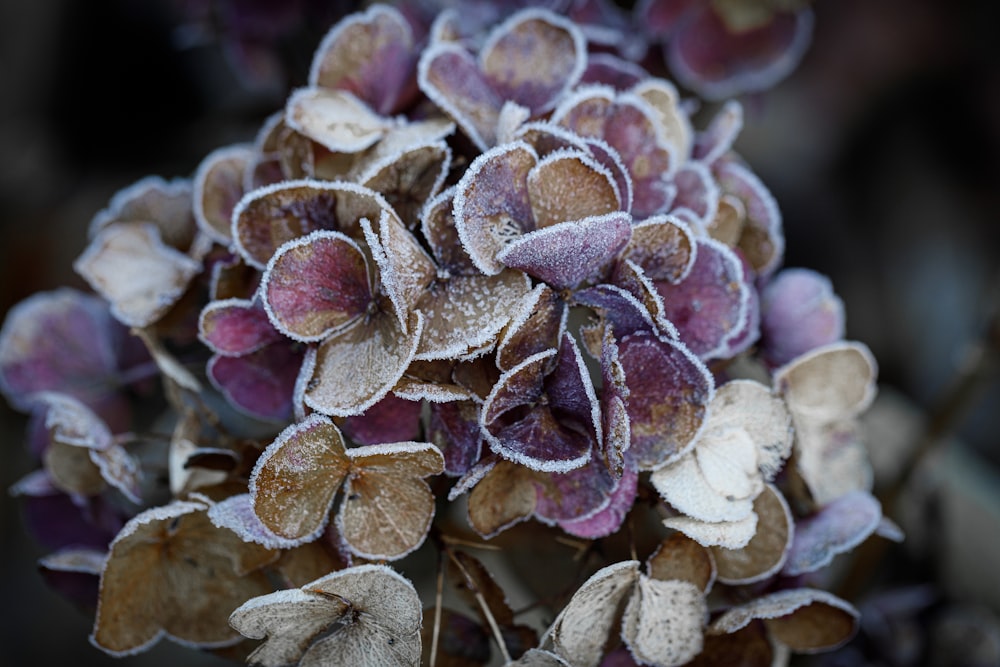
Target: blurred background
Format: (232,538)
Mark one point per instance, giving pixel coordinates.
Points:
(882,150)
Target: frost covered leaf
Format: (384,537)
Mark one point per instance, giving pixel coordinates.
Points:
(662,95)
(387,506)
(392,419)
(409,179)
(584,626)
(669,392)
(663,621)
(370,54)
(367,614)
(750,406)
(82,456)
(236,513)
(608,519)
(570,253)
(804,619)
(201,573)
(836,381)
(767,551)
(799,312)
(130,266)
(270,216)
(335,119)
(218,187)
(679,558)
(569,185)
(296,478)
(835,529)
(316,285)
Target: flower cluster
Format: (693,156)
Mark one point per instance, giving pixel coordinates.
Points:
(466,284)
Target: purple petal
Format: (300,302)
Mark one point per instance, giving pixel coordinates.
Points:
(234,327)
(762,240)
(454,428)
(261,383)
(570,253)
(390,420)
(800,312)
(608,520)
(450,77)
(837,528)
(610,70)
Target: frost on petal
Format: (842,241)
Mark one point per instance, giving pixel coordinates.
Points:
(567,186)
(799,312)
(709,306)
(804,619)
(454,429)
(585,624)
(663,621)
(336,119)
(749,405)
(609,519)
(663,97)
(569,254)
(466,312)
(503,495)
(533,58)
(492,205)
(387,506)
(728,461)
(366,614)
(371,55)
(202,573)
(728,534)
(762,239)
(717,62)
(679,558)
(835,529)
(218,187)
(537,325)
(234,327)
(699,486)
(577,494)
(316,285)
(767,551)
(294,481)
(625,313)
(236,514)
(663,247)
(548,422)
(832,382)
(357,367)
(390,420)
(669,392)
(270,216)
(438,226)
(696,194)
(409,178)
(630,126)
(152,199)
(131,267)
(74,574)
(261,383)
(451,78)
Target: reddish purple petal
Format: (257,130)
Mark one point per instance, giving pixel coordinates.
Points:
(450,77)
(390,420)
(799,312)
(610,70)
(609,519)
(454,428)
(261,383)
(234,327)
(837,528)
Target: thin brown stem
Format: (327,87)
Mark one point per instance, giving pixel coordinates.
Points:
(438,598)
(487,614)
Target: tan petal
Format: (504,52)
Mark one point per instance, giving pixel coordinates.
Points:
(504,496)
(72,470)
(680,558)
(152,199)
(752,407)
(583,627)
(335,119)
(832,382)
(568,186)
(728,534)
(831,459)
(663,621)
(767,551)
(408,179)
(727,226)
(357,367)
(663,247)
(674,122)
(130,266)
(218,187)
(683,485)
(387,506)
(296,478)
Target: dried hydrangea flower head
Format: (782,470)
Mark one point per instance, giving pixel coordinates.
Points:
(475,285)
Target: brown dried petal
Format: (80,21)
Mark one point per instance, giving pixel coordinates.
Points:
(504,496)
(767,551)
(152,199)
(680,558)
(357,367)
(408,179)
(296,478)
(202,572)
(538,325)
(387,506)
(663,247)
(218,187)
(804,619)
(663,621)
(674,123)
(747,647)
(568,186)
(131,267)
(336,119)
(583,628)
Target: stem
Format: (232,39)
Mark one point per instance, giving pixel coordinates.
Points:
(439,595)
(487,614)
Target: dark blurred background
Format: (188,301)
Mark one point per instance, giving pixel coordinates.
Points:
(882,151)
